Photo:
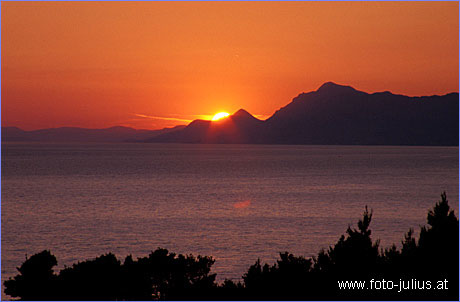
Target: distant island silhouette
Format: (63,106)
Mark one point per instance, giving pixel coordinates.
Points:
(332,115)
(76,134)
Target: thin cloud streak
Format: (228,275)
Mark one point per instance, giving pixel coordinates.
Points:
(204,117)
(162,118)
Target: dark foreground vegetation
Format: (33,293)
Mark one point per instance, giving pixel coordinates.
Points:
(423,269)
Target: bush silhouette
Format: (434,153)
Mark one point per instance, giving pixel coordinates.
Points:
(166,276)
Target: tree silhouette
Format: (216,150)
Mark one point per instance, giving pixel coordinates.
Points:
(36,278)
(97,279)
(166,276)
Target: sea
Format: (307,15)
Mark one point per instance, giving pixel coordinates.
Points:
(236,203)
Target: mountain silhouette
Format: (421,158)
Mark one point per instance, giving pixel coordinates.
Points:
(336,114)
(240,127)
(74,134)
(332,115)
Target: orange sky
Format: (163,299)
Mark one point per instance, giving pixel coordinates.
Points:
(157,64)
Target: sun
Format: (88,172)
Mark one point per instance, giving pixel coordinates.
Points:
(220,115)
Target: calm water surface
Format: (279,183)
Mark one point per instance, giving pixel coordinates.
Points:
(234,202)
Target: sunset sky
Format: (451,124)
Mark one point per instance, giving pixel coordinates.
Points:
(158,64)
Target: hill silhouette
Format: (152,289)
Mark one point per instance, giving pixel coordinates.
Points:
(336,115)
(75,134)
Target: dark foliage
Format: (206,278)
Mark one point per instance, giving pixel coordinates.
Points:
(434,257)
(36,278)
(167,276)
(160,276)
(355,256)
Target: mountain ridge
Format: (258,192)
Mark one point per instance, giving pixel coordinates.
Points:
(332,115)
(338,114)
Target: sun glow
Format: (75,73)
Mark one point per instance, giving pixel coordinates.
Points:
(220,115)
